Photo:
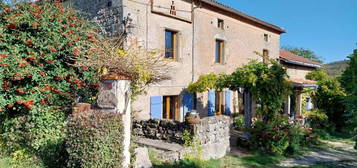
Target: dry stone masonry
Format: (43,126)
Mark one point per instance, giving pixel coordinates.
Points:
(166,130)
(213,133)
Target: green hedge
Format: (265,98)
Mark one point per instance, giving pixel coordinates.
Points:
(95,140)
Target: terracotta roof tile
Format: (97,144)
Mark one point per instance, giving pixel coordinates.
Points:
(287,55)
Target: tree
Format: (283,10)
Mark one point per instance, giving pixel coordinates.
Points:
(329,97)
(39,45)
(349,82)
(306,53)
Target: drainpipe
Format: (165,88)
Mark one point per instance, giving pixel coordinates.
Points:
(193,36)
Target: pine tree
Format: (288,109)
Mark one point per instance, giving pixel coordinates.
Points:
(349,82)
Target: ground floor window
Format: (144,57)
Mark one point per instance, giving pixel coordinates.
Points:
(219,103)
(171,108)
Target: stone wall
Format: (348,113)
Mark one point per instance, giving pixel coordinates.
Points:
(213,134)
(107,14)
(166,130)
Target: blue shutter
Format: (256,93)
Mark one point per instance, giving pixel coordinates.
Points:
(228,102)
(187,103)
(211,103)
(156,107)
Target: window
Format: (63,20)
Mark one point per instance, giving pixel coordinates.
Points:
(220,24)
(170,44)
(266,37)
(219,51)
(171,108)
(219,103)
(265,56)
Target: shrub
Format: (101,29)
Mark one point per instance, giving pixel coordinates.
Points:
(280,137)
(239,122)
(39,43)
(95,140)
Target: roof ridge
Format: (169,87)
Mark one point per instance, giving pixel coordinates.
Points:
(244,15)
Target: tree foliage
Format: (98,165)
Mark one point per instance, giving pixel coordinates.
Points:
(204,83)
(329,96)
(306,53)
(349,82)
(39,43)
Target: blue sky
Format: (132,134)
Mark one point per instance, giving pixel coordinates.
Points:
(328,27)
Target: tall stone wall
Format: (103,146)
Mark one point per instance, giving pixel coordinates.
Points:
(213,134)
(106,14)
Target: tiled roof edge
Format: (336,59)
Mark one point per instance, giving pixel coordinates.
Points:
(254,19)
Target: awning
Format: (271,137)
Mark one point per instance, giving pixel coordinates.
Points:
(303,83)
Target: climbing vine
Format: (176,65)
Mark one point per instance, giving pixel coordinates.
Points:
(267,82)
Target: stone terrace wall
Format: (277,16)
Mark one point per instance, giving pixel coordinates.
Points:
(166,130)
(213,133)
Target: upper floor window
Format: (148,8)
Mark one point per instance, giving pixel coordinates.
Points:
(266,37)
(265,56)
(219,51)
(220,24)
(170,44)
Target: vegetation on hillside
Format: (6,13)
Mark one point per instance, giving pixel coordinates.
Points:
(335,69)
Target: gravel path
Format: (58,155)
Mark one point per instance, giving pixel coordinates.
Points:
(339,154)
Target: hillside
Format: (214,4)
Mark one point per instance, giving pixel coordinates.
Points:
(336,68)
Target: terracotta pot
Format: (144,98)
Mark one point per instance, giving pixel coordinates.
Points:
(192,118)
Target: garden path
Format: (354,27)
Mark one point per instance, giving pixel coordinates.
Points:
(338,154)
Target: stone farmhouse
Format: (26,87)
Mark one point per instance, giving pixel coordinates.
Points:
(297,68)
(197,37)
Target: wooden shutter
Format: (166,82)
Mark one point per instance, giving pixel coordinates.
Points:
(211,103)
(228,102)
(187,103)
(156,107)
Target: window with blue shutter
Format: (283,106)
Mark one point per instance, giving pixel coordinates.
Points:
(211,103)
(156,107)
(187,103)
(228,103)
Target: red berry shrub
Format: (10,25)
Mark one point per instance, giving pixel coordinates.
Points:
(39,45)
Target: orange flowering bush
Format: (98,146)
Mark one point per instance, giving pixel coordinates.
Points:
(39,45)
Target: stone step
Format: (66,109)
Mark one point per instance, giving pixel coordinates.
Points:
(159,144)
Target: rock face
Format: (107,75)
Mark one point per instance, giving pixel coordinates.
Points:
(142,159)
(166,130)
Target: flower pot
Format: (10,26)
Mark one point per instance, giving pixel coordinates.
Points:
(192,117)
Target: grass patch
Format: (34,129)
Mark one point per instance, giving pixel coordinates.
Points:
(256,160)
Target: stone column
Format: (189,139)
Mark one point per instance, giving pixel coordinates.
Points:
(248,114)
(287,106)
(115,97)
(298,104)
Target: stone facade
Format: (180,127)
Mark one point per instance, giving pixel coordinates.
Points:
(196,24)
